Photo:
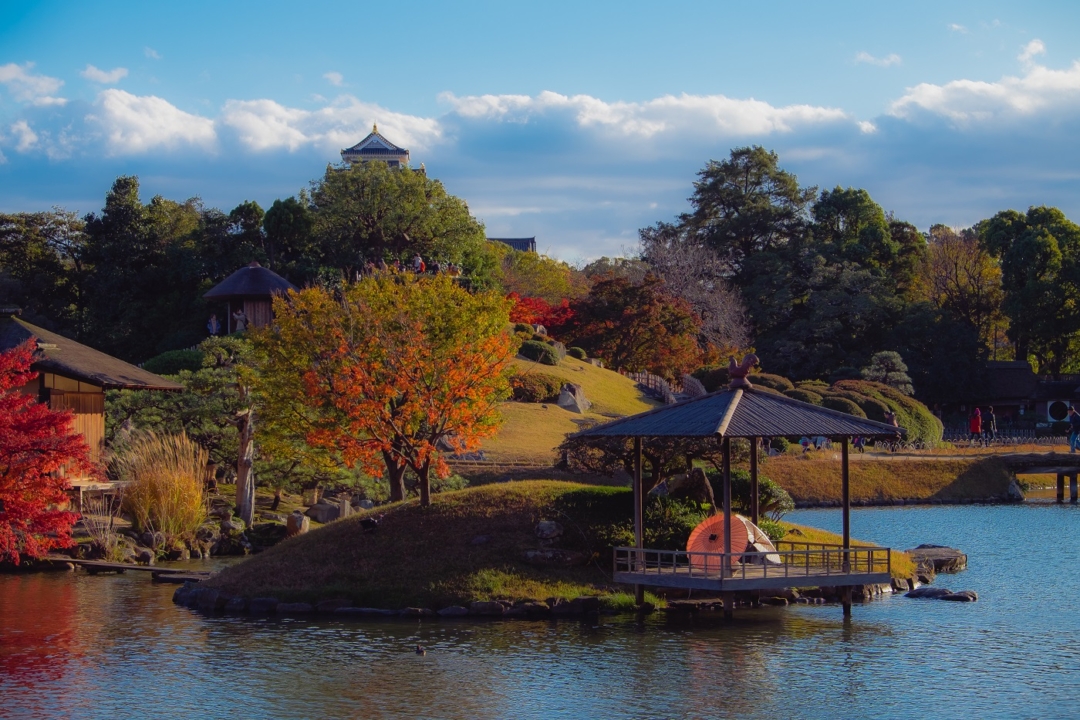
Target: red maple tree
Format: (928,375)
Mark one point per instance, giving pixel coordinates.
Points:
(533,310)
(38,448)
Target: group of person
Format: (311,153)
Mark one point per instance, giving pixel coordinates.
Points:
(983,426)
(240,322)
(417,265)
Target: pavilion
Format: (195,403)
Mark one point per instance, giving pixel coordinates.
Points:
(251,289)
(742,411)
(376,147)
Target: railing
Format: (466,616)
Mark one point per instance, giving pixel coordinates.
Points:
(656,385)
(692,387)
(802,561)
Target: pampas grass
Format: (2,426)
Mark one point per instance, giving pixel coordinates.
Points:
(165,491)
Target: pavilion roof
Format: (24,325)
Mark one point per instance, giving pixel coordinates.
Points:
(375,145)
(63,356)
(741,413)
(250,281)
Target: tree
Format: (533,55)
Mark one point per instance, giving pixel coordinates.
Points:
(290,246)
(888,368)
(1040,274)
(538,276)
(390,373)
(38,449)
(636,326)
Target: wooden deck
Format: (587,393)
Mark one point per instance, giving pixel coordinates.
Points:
(806,565)
(158,573)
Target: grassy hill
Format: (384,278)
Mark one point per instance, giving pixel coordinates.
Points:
(468,545)
(531,431)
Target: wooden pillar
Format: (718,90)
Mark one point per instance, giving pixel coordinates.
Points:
(1061,487)
(729,605)
(1072,488)
(727,506)
(845,598)
(753,481)
(845,492)
(639,518)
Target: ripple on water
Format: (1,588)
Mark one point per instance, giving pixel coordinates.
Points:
(104,647)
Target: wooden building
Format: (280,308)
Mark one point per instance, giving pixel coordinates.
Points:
(72,376)
(250,289)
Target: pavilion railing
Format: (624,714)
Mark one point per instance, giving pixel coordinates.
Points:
(794,560)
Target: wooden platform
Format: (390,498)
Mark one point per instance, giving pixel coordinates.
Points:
(754,579)
(102,566)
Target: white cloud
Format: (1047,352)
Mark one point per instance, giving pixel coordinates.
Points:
(135,124)
(866,127)
(956,27)
(25,136)
(27,87)
(267,125)
(334,78)
(1039,90)
(105,77)
(151,53)
(890,59)
(1033,48)
(709,114)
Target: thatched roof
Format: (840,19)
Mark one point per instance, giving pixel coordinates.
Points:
(741,413)
(251,281)
(63,356)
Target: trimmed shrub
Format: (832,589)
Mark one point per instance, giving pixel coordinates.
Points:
(842,405)
(805,396)
(776,382)
(523,328)
(539,352)
(535,387)
(713,377)
(773,529)
(812,385)
(173,361)
(578,353)
(912,415)
(779,444)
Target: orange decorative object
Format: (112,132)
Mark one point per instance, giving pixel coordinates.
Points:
(708,537)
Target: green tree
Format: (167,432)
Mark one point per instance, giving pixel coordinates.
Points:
(888,368)
(1039,254)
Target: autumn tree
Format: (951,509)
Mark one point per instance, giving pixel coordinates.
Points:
(392,372)
(636,326)
(532,275)
(38,448)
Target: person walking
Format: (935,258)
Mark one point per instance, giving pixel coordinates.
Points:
(989,426)
(1074,428)
(975,426)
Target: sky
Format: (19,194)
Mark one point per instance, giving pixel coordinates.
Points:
(577,123)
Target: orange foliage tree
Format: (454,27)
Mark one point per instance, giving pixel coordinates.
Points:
(389,372)
(37,448)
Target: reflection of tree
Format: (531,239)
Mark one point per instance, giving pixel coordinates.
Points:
(38,638)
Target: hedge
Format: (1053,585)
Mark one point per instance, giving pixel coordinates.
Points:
(173,361)
(535,387)
(539,352)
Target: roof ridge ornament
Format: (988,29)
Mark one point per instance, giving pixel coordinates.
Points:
(737,372)
(375,128)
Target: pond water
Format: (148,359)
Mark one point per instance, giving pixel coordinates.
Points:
(115,646)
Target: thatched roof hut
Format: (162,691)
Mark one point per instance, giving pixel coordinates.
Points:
(248,294)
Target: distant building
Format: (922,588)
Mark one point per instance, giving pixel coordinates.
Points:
(251,289)
(527,244)
(376,147)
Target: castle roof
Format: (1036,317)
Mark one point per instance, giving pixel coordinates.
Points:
(374,146)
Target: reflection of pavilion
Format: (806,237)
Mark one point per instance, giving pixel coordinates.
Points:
(744,412)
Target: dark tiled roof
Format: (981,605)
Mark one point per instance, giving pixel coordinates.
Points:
(63,356)
(1010,381)
(388,149)
(741,414)
(527,244)
(250,281)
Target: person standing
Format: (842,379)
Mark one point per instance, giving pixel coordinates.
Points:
(1074,428)
(990,426)
(212,325)
(975,426)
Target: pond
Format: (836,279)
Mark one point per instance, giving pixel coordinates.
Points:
(114,646)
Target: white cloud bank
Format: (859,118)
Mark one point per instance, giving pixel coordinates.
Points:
(708,114)
(104,77)
(136,124)
(27,87)
(1039,90)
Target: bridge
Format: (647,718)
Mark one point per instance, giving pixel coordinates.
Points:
(1060,464)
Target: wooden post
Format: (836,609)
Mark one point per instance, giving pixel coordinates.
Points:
(753,481)
(845,492)
(845,598)
(639,519)
(727,507)
(1072,488)
(729,605)
(1061,487)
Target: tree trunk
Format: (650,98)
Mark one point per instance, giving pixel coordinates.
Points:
(277,500)
(245,477)
(396,475)
(425,484)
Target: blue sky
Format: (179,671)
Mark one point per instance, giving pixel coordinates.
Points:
(575,122)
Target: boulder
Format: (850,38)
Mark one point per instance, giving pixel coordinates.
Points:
(182,593)
(961,596)
(928,592)
(572,398)
(366,504)
(415,612)
(534,608)
(493,609)
(232,526)
(262,606)
(297,524)
(299,608)
(236,605)
(324,512)
(211,599)
(1016,494)
(271,516)
(943,559)
(145,556)
(329,606)
(585,605)
(548,530)
(454,611)
(365,612)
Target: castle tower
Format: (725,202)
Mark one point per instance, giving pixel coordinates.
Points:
(376,147)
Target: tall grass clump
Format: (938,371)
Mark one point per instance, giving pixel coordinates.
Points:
(165,491)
